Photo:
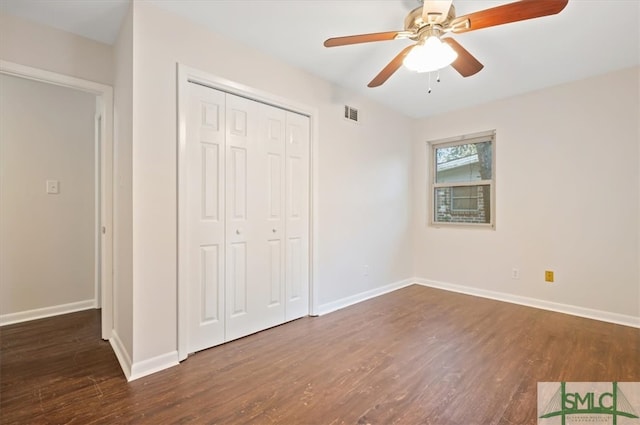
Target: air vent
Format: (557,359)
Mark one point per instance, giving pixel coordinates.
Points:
(350,113)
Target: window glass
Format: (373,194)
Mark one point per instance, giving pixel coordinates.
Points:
(462,180)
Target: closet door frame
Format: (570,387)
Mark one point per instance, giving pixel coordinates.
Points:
(187,75)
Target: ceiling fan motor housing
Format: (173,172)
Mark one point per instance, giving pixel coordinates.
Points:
(414,22)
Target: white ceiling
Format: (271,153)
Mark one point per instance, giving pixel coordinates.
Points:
(589,37)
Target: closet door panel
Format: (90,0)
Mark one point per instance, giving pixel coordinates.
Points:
(205,217)
(241,140)
(237,295)
(272,137)
(297,215)
(255,174)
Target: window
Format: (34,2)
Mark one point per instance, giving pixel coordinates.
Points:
(463,180)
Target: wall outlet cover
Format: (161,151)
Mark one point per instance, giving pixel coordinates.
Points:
(53,187)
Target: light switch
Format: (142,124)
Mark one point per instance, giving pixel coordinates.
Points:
(53,187)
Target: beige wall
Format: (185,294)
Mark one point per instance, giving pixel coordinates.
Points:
(550,142)
(32,44)
(567,197)
(364,171)
(47,241)
(122,232)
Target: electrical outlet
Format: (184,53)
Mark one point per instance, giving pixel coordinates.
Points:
(548,276)
(515,273)
(53,187)
(365,270)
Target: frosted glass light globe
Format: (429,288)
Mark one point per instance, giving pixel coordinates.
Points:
(429,56)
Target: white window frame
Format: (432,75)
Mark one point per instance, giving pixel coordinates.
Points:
(432,145)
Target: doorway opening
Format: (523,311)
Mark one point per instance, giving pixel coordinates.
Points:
(101,205)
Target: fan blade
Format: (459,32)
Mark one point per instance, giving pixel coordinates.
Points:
(512,12)
(435,11)
(465,63)
(362,38)
(391,67)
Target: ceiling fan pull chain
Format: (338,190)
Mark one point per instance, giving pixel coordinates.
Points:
(438,79)
(429,91)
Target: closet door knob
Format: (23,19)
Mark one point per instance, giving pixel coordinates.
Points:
(238,231)
(274,230)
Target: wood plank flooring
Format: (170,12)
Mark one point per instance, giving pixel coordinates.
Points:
(415,356)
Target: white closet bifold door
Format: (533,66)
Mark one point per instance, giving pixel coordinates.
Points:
(248,216)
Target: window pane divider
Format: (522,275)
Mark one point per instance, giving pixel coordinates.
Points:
(462,184)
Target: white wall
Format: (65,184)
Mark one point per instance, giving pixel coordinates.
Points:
(47,241)
(364,171)
(122,205)
(32,44)
(567,197)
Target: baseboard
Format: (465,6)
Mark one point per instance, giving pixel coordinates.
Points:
(121,353)
(153,365)
(41,313)
(604,316)
(362,296)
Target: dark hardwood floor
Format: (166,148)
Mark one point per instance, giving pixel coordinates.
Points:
(414,356)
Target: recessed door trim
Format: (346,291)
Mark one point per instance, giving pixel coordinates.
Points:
(186,76)
(103,294)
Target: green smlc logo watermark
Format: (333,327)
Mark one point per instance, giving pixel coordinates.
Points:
(587,403)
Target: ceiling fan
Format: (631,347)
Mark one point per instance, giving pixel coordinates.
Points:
(427,24)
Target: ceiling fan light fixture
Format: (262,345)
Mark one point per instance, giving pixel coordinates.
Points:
(430,56)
